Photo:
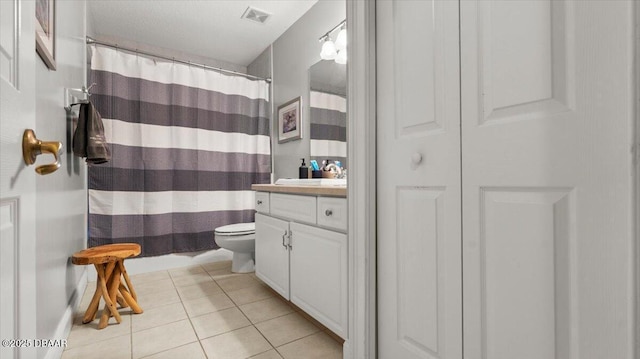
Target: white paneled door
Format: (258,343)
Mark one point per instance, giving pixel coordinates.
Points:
(418,126)
(505,179)
(17,182)
(546,174)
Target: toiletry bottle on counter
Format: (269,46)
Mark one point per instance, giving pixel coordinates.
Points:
(304,170)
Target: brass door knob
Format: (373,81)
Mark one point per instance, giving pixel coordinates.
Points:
(32,147)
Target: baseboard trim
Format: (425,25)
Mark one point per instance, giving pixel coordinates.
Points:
(66,322)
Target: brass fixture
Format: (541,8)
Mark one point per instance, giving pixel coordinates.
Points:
(32,147)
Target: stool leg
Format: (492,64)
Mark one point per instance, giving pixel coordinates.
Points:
(90,314)
(129,299)
(109,305)
(111,266)
(126,279)
(120,299)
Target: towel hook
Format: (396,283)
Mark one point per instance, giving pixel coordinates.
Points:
(87,90)
(72,96)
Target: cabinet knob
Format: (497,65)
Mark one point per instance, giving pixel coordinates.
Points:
(328,213)
(259,202)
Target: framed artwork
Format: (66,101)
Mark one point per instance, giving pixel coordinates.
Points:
(290,121)
(46,32)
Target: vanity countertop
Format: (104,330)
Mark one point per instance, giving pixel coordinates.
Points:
(335,191)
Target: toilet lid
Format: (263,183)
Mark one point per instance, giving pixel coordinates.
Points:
(237,229)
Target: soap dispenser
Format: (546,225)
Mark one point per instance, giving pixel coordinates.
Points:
(304,170)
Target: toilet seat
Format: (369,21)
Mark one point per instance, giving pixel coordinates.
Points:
(238,229)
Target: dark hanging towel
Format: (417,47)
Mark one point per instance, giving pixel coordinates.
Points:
(88,139)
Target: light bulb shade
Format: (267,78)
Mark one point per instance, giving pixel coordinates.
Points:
(341,58)
(328,50)
(341,40)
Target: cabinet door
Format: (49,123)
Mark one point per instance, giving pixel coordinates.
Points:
(272,253)
(319,275)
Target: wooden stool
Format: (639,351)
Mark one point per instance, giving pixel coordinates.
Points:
(109,262)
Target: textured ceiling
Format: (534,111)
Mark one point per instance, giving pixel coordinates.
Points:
(209,28)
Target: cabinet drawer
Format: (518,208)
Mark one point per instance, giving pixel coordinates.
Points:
(332,213)
(262,202)
(297,208)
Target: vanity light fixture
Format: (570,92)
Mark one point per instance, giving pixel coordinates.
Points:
(329,51)
(341,40)
(341,58)
(335,51)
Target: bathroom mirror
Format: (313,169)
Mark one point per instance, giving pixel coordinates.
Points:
(328,111)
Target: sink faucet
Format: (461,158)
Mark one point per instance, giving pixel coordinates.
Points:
(339,173)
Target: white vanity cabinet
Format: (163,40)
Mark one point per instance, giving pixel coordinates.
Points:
(303,262)
(272,252)
(318,275)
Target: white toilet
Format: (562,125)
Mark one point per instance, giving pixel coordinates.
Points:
(240,238)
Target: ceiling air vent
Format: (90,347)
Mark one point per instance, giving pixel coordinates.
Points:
(255,15)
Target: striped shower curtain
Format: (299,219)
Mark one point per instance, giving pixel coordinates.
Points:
(328,139)
(186,144)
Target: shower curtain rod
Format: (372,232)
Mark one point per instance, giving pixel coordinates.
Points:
(91,40)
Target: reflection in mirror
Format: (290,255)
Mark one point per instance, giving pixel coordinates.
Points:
(328,112)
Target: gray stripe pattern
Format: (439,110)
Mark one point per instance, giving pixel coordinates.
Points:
(328,132)
(149,158)
(136,89)
(164,244)
(122,226)
(323,116)
(173,115)
(328,124)
(173,180)
(137,168)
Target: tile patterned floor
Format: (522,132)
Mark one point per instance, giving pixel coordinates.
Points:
(203,312)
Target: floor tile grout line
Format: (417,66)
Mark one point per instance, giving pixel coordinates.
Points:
(180,346)
(306,336)
(185,310)
(266,320)
(167,323)
(249,320)
(192,326)
(134,278)
(94,342)
(265,338)
(227,332)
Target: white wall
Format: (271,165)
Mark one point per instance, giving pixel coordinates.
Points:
(293,53)
(61,196)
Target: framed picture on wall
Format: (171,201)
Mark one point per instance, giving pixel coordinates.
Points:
(46,32)
(290,121)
